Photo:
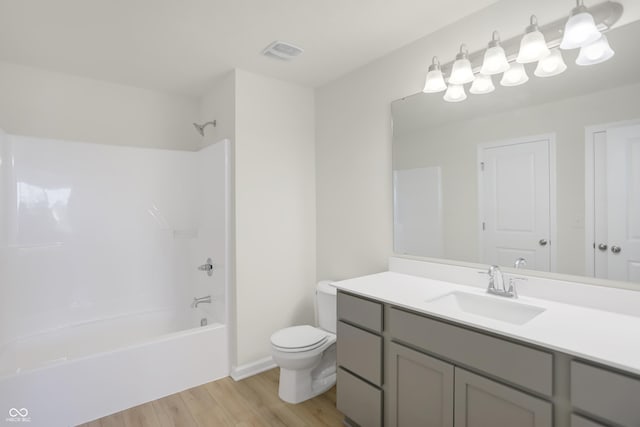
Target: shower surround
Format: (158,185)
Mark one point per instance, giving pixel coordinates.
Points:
(99,253)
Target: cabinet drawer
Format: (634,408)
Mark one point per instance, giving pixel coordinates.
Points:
(361,312)
(578,421)
(606,394)
(358,400)
(518,364)
(360,352)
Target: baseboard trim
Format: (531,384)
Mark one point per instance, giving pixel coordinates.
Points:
(247,370)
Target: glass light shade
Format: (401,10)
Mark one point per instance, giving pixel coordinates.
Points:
(455,93)
(482,84)
(514,76)
(461,73)
(552,65)
(580,29)
(495,61)
(435,80)
(533,48)
(596,52)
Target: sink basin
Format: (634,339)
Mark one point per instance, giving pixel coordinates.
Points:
(492,307)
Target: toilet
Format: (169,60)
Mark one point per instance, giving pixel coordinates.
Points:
(306,354)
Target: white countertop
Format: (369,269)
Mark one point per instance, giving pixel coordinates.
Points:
(601,336)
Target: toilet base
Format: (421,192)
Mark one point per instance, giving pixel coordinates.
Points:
(298,386)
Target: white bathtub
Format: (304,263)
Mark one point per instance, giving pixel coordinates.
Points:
(72,375)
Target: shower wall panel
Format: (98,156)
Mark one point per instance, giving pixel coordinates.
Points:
(91,231)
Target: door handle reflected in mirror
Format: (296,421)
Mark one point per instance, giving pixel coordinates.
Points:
(542,242)
(616,249)
(602,247)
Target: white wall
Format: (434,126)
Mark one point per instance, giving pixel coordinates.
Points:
(47,104)
(274,210)
(353,136)
(218,104)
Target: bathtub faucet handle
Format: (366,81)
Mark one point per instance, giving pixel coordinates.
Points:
(207,266)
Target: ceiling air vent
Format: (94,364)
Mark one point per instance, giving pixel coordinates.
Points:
(282,50)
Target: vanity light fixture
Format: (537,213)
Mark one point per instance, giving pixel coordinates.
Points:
(482,84)
(461,73)
(533,46)
(595,52)
(580,30)
(435,80)
(455,93)
(495,60)
(515,76)
(584,28)
(552,65)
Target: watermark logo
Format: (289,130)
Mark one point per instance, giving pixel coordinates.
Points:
(18,415)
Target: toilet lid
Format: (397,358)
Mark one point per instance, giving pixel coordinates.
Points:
(299,337)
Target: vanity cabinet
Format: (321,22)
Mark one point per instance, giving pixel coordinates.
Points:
(435,391)
(515,363)
(420,390)
(578,421)
(360,356)
(401,368)
(481,402)
(591,393)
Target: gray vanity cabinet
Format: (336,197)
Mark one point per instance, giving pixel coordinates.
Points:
(360,355)
(591,393)
(441,374)
(481,402)
(420,390)
(578,421)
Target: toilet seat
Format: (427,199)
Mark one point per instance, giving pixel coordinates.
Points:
(298,339)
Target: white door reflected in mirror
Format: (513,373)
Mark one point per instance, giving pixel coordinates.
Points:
(516,209)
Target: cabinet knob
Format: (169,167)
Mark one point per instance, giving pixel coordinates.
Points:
(543,242)
(616,249)
(602,247)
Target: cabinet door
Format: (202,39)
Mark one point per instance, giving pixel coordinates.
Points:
(420,390)
(480,402)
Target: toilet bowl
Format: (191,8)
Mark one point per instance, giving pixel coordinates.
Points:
(306,354)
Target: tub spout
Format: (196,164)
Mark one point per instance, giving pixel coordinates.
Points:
(201,300)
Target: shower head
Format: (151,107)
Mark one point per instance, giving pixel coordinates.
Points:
(200,128)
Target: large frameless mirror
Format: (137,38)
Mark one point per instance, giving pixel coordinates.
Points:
(546,174)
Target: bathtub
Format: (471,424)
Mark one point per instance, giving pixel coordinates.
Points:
(71,375)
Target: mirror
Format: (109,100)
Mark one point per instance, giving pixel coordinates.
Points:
(548,171)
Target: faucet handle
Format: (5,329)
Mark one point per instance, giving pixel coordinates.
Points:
(512,285)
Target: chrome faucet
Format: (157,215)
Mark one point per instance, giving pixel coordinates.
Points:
(496,283)
(201,300)
(520,263)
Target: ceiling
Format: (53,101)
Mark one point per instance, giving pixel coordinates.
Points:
(181,46)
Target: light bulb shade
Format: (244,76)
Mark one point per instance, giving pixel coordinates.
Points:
(495,61)
(596,52)
(552,65)
(434,82)
(580,29)
(533,48)
(482,84)
(514,76)
(461,73)
(455,93)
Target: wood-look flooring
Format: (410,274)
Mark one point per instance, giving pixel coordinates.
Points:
(251,402)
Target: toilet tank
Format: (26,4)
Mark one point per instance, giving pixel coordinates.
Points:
(326,305)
